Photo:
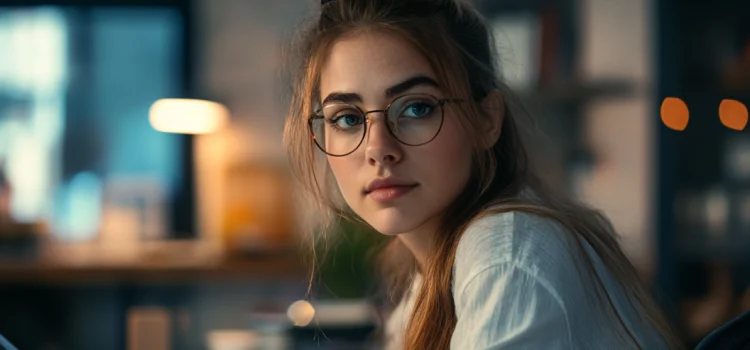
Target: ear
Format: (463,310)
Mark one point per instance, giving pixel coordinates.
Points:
(493,106)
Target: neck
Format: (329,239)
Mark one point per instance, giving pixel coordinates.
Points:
(420,241)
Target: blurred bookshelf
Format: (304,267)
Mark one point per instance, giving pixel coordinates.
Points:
(703,172)
(540,61)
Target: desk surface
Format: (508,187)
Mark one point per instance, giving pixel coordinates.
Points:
(17,272)
(162,263)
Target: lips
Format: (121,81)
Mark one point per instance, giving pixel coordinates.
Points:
(387,183)
(388,189)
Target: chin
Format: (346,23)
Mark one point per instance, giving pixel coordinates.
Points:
(393,220)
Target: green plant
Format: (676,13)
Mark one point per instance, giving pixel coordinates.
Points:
(347,260)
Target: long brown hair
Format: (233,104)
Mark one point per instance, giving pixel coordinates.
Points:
(455,40)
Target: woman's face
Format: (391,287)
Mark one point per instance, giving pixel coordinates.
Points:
(417,183)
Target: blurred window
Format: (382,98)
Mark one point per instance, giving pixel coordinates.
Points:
(76,84)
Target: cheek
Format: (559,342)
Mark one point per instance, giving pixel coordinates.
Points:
(344,170)
(448,158)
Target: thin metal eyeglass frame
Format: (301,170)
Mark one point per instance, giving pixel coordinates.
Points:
(440,102)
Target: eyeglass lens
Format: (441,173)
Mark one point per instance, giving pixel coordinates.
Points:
(339,128)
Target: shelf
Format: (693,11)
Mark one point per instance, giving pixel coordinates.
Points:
(709,92)
(580,92)
(706,250)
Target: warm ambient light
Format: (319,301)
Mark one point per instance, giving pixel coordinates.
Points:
(300,313)
(187,116)
(675,113)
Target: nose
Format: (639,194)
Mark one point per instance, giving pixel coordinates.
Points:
(381,147)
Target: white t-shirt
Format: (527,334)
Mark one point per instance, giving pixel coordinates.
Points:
(516,286)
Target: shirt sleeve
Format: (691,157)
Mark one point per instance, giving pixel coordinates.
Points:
(507,307)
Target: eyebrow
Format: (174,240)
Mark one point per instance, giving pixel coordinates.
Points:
(408,84)
(391,92)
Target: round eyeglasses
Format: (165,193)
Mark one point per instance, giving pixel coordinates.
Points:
(416,119)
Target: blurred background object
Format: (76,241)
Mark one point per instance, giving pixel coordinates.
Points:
(703,178)
(149,329)
(145,200)
(113,172)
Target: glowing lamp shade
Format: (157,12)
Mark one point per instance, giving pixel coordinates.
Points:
(187,116)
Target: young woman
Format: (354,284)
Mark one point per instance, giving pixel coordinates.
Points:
(397,117)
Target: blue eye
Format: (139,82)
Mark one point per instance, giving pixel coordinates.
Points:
(418,110)
(346,121)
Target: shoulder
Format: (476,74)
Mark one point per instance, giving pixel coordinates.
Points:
(524,270)
(532,243)
(502,294)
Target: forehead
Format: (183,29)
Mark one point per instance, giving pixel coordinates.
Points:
(369,63)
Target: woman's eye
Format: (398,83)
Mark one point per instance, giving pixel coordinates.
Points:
(417,110)
(346,121)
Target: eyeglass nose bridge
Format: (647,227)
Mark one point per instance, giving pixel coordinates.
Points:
(385,112)
(388,123)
